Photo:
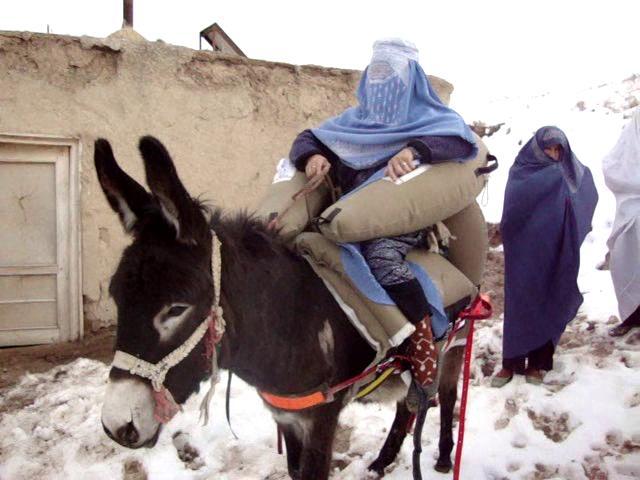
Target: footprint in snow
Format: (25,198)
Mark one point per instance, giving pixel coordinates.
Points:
(555,380)
(555,426)
(511,408)
(633,400)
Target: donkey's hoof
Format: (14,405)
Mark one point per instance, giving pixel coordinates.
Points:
(377,467)
(443,466)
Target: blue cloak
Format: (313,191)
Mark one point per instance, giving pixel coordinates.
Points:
(390,114)
(548,208)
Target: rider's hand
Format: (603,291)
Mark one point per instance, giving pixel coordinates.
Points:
(400,164)
(317,165)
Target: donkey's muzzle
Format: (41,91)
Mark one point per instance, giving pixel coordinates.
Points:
(128,436)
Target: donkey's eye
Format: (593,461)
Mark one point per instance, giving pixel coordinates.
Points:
(168,320)
(176,310)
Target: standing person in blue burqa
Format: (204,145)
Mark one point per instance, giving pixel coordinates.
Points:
(399,123)
(548,207)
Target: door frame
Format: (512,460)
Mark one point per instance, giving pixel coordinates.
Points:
(69,291)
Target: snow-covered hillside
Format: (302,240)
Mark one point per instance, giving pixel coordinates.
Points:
(582,423)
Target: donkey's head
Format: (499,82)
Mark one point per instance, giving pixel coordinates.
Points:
(163,289)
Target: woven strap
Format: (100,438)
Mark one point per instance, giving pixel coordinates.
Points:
(219,325)
(156,372)
(216,271)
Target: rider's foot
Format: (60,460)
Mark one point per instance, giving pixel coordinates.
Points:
(423,354)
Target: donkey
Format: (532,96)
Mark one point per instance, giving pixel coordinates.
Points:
(285,333)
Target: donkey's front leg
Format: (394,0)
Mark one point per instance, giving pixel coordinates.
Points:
(318,445)
(447,394)
(293,443)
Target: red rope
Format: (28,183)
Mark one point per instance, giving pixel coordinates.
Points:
(463,401)
(479,310)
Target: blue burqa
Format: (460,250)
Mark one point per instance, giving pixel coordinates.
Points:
(548,207)
(396,104)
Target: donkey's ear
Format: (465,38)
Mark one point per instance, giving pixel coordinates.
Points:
(177,205)
(126,196)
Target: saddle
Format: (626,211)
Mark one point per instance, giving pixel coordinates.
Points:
(456,275)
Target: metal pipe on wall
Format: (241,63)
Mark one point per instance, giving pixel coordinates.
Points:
(127,13)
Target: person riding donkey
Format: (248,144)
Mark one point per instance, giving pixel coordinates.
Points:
(399,122)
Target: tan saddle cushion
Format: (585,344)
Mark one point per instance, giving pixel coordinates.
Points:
(428,195)
(383,326)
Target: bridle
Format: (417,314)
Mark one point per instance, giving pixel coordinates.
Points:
(165,405)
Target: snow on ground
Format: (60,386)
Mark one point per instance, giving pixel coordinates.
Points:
(582,423)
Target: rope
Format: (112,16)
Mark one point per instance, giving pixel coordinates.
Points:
(279,435)
(227,405)
(219,324)
(332,189)
(313,183)
(463,402)
(216,272)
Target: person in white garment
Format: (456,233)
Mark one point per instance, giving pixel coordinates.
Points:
(622,175)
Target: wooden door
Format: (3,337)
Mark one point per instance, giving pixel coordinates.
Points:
(39,248)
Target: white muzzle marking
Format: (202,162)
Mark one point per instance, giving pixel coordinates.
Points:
(130,401)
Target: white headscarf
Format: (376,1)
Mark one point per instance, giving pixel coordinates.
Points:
(621,169)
